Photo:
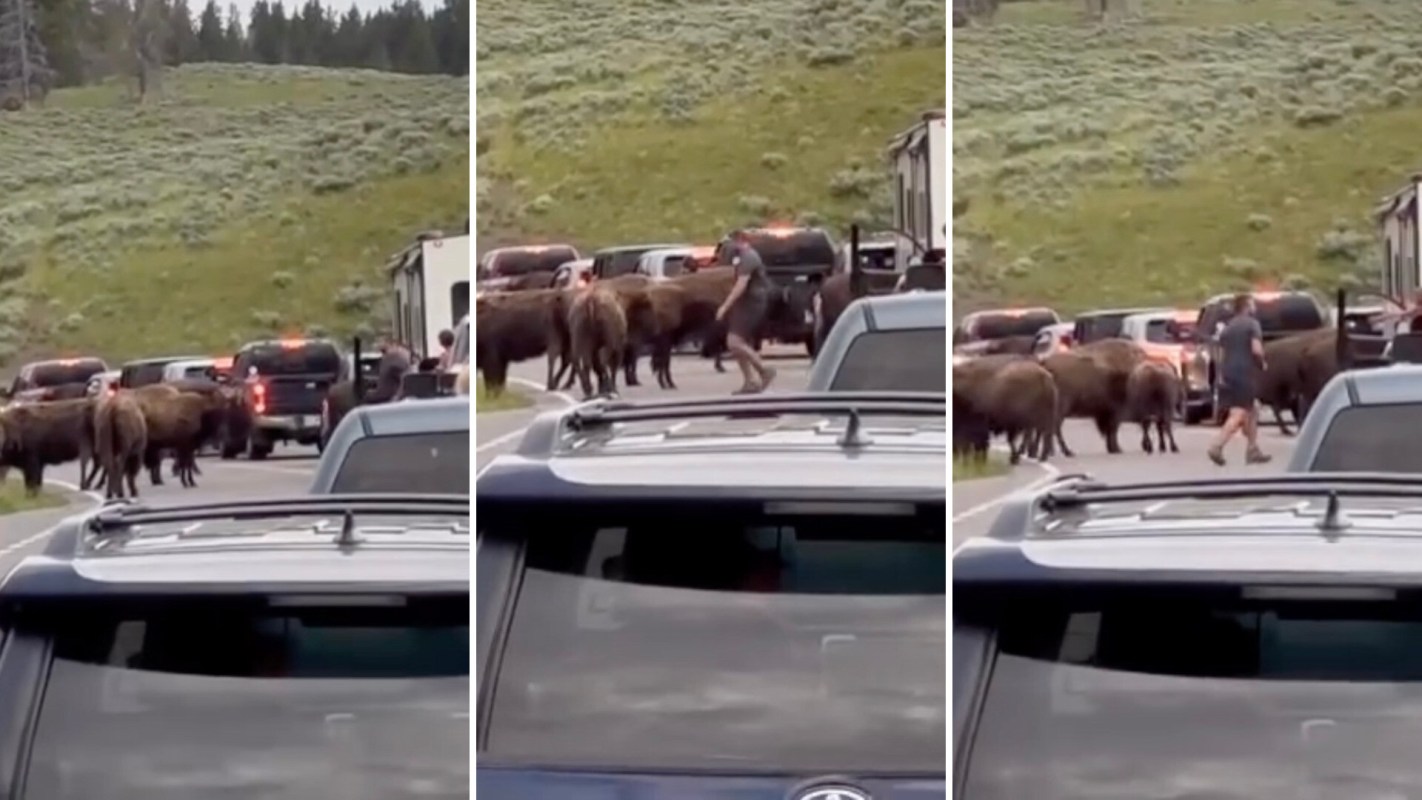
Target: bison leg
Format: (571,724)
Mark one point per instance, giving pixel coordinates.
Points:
(1279,418)
(153,460)
(1167,429)
(131,468)
(34,474)
(629,365)
(1145,436)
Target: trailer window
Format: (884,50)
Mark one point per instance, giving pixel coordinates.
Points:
(458,302)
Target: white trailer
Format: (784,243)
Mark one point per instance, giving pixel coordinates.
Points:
(1400,223)
(920,189)
(431,282)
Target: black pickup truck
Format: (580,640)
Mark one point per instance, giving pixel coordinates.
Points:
(284,384)
(797,260)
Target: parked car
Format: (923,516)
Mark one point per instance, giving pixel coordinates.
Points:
(416,446)
(284,383)
(885,343)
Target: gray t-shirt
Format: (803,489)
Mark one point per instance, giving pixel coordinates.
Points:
(1237,362)
(747,262)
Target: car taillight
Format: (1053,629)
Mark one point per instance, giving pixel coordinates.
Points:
(259,398)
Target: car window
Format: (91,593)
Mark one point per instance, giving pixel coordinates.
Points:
(60,373)
(904,360)
(1364,438)
(1169,331)
(797,248)
(1288,313)
(1171,695)
(673,266)
(235,701)
(521,261)
(307,358)
(1005,324)
(1098,327)
(419,463)
(689,639)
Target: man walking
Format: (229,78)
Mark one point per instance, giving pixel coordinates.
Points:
(744,310)
(1241,359)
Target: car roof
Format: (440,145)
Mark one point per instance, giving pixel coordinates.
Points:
(622,248)
(395,542)
(432,415)
(689,448)
(1397,384)
(1127,312)
(907,311)
(1265,529)
(666,252)
(158,361)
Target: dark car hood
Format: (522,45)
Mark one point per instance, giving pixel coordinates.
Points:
(496,783)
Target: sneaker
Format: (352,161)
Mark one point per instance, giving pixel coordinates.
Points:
(768,377)
(1257,457)
(1216,455)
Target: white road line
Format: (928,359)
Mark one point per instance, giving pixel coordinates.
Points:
(268,468)
(25,542)
(1052,474)
(513,435)
(93,497)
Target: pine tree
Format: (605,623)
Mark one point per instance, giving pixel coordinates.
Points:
(25,75)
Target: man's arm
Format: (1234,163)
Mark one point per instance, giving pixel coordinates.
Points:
(738,289)
(1256,343)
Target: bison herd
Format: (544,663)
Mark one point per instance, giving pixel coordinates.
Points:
(1110,382)
(1026,399)
(114,436)
(593,334)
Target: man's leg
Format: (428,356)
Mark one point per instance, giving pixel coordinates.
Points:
(1232,424)
(1252,453)
(744,358)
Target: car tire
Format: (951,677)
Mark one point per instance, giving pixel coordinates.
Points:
(258,448)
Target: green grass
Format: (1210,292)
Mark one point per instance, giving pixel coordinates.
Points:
(1205,147)
(970,469)
(724,113)
(243,201)
(508,401)
(13,499)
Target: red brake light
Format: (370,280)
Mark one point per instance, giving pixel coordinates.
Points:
(259,397)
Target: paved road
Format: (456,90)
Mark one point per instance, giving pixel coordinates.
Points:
(974,502)
(288,471)
(499,432)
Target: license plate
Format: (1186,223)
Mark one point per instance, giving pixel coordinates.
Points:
(801,278)
(809,317)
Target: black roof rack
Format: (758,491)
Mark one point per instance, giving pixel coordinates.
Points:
(1075,492)
(118,517)
(610,411)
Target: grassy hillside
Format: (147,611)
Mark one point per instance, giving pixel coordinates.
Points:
(622,120)
(247,200)
(1206,145)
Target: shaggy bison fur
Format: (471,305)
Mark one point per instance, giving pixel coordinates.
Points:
(598,327)
(1153,395)
(120,442)
(38,435)
(1020,400)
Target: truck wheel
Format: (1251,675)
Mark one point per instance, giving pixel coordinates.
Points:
(258,448)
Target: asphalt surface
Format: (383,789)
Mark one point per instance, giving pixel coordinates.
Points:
(288,471)
(499,431)
(975,502)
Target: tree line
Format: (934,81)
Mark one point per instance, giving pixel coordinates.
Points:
(87,40)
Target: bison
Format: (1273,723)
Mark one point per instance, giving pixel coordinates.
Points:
(1020,400)
(1153,395)
(599,338)
(120,441)
(38,435)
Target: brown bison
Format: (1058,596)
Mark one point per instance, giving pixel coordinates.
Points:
(1281,383)
(599,337)
(1091,383)
(516,326)
(178,422)
(1153,394)
(542,279)
(38,435)
(1020,400)
(120,441)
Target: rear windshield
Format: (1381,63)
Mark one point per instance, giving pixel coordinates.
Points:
(242,701)
(56,373)
(424,463)
(1364,439)
(521,261)
(309,358)
(1002,324)
(906,361)
(694,638)
(798,248)
(620,262)
(1170,331)
(1287,313)
(1099,326)
(1137,695)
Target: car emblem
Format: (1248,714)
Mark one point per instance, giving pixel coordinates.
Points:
(831,790)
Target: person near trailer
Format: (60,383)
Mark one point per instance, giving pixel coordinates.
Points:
(1241,361)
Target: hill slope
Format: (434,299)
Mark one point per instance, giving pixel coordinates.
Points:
(248,200)
(623,120)
(1210,145)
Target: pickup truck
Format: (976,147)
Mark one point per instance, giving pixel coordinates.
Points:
(797,260)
